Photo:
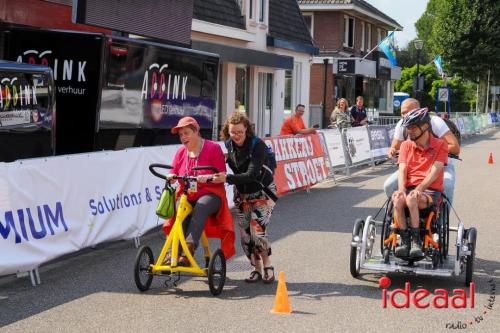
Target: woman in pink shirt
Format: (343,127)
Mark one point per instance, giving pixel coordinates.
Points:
(207,198)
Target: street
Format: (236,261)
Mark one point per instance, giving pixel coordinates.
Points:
(311,234)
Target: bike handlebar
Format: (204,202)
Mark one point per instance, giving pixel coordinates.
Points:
(210,168)
(161,166)
(185,177)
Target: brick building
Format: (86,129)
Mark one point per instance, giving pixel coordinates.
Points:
(345,31)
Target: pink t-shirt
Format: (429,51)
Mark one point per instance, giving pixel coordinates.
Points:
(210,155)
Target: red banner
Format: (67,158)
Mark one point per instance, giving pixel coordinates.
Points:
(300,159)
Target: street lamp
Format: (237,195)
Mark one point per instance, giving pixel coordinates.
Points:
(418,43)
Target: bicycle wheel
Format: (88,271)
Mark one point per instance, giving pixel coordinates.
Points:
(386,225)
(446,228)
(142,268)
(217,272)
(469,265)
(355,257)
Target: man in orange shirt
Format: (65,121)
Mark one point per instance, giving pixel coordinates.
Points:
(420,180)
(294,124)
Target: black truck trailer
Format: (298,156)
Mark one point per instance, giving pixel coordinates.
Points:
(116,92)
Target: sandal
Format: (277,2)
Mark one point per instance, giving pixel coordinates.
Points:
(183,261)
(255,276)
(268,278)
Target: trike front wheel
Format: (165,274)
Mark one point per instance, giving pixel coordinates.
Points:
(142,268)
(217,272)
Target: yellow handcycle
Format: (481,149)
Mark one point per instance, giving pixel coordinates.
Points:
(215,264)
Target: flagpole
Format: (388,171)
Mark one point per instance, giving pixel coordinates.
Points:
(366,55)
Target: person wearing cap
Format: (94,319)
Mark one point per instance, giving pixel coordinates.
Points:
(420,181)
(210,209)
(438,129)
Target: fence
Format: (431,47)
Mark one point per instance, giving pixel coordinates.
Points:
(59,205)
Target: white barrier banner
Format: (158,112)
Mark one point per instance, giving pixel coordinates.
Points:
(53,206)
(358,144)
(460,125)
(50,207)
(333,141)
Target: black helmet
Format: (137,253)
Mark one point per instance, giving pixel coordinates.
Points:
(416,117)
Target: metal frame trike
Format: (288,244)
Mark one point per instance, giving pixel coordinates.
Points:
(435,230)
(215,263)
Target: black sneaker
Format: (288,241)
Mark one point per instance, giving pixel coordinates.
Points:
(403,250)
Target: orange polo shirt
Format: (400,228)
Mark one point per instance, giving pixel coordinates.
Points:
(419,161)
(292,125)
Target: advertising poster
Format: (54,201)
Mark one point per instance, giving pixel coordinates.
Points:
(300,161)
(379,140)
(333,142)
(358,144)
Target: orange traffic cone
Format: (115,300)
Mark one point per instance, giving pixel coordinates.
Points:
(490,158)
(281,304)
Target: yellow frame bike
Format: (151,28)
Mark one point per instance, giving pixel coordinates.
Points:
(215,264)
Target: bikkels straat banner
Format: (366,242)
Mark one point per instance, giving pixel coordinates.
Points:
(300,161)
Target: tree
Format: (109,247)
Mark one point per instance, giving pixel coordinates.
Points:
(407,57)
(466,34)
(462,94)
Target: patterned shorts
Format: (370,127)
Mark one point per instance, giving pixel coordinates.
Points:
(254,213)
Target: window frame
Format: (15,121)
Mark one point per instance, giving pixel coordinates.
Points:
(362,48)
(347,32)
(369,37)
(262,11)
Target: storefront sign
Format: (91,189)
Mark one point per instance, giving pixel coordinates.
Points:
(345,66)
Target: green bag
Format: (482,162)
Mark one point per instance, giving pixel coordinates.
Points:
(166,206)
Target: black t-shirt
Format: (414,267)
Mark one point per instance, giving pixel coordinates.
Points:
(358,114)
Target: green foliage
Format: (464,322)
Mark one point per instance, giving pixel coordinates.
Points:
(466,33)
(462,95)
(407,57)
(406,83)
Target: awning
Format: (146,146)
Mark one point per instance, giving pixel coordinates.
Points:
(244,56)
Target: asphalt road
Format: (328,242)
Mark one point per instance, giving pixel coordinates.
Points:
(311,233)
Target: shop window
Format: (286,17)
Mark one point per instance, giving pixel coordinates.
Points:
(241,89)
(250,9)
(348,31)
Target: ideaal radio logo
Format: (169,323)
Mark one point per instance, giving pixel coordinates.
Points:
(439,299)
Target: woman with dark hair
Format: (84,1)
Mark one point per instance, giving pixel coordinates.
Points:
(252,180)
(210,208)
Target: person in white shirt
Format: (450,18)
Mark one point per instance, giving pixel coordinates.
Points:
(439,129)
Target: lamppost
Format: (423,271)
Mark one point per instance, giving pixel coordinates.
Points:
(418,43)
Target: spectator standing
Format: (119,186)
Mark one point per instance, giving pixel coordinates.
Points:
(358,113)
(295,124)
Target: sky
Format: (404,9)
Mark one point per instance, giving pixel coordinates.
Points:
(405,12)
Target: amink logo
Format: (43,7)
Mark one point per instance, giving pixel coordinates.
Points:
(423,298)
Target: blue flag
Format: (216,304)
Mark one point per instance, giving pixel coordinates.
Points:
(439,64)
(387,46)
